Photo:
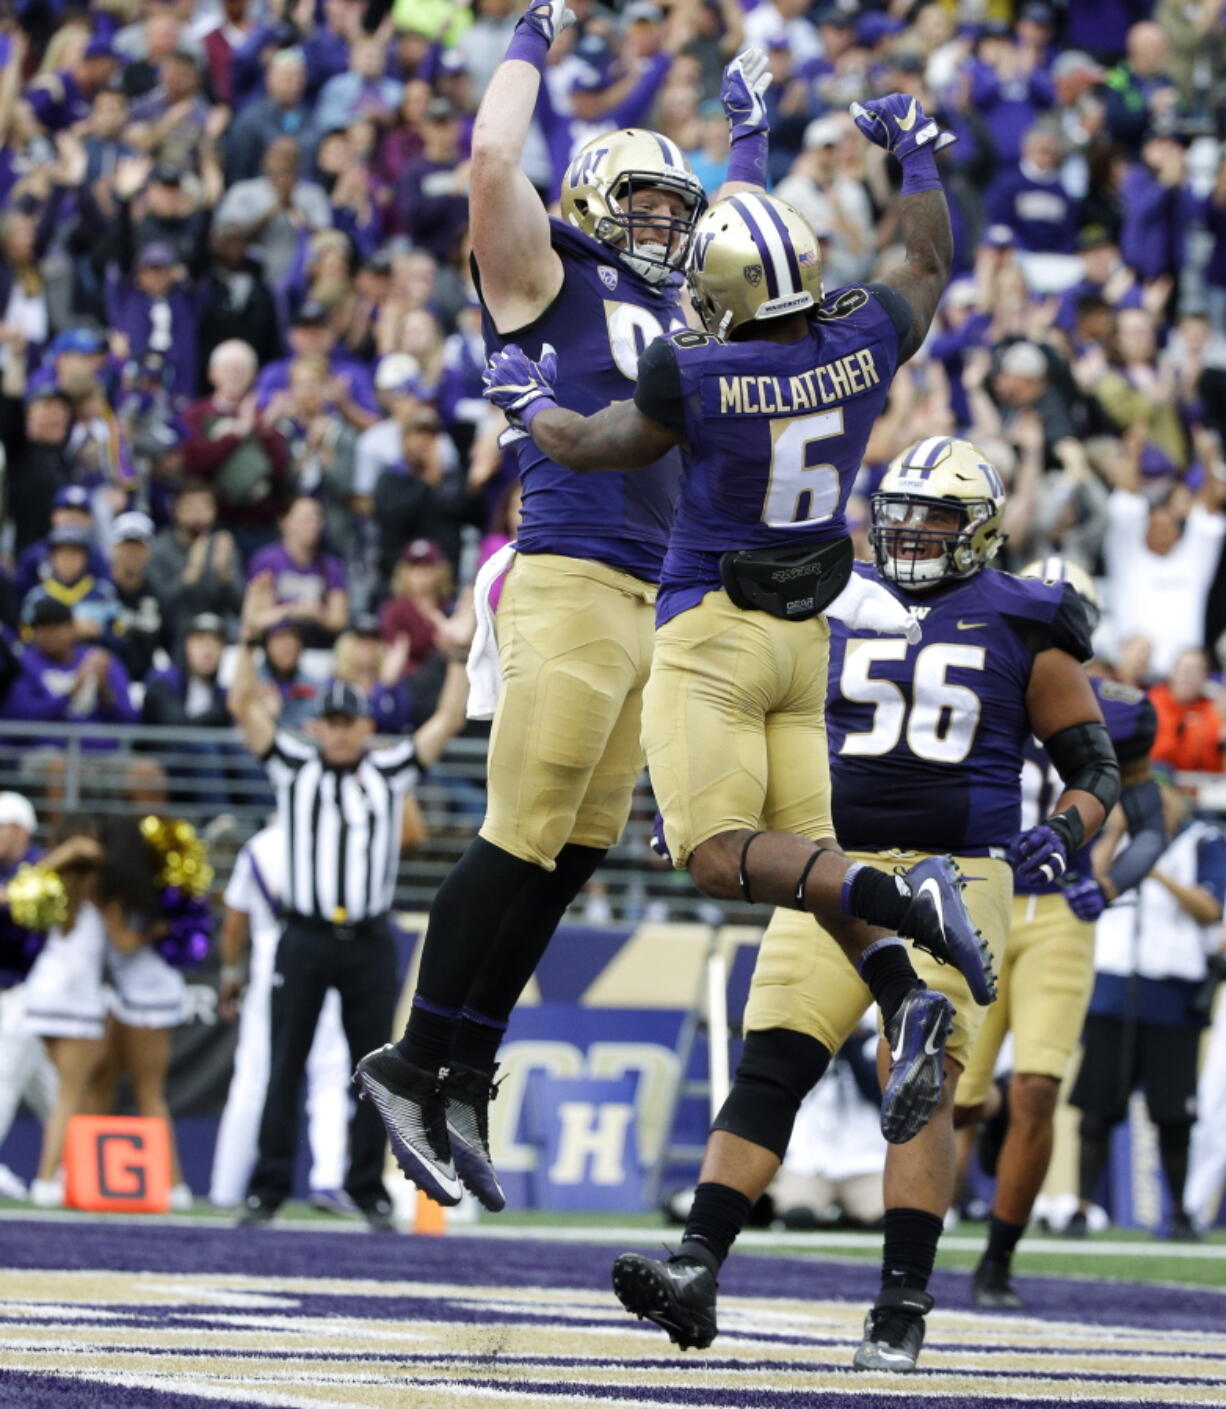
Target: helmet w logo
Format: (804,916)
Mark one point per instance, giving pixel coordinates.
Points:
(583,169)
(702,243)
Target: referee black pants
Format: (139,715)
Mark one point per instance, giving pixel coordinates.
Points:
(312,957)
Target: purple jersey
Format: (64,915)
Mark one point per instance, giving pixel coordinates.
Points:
(775,432)
(602,319)
(299,584)
(1131,722)
(926,741)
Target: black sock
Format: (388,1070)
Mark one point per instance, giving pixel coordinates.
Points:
(718,1214)
(1002,1239)
(464,921)
(524,932)
(1173,1141)
(428,1036)
(910,1249)
(889,975)
(477,1039)
(876,897)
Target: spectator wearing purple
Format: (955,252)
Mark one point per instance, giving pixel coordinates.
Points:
(1103,276)
(64,681)
(156,312)
(71,509)
(171,118)
(137,631)
(234,27)
(62,99)
(432,197)
(1009,89)
(1159,209)
(92,600)
(311,335)
(311,585)
(1033,201)
(283,113)
(153,206)
(1214,214)
(361,659)
(34,433)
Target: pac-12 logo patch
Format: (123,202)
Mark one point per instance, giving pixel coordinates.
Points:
(753,275)
(608,276)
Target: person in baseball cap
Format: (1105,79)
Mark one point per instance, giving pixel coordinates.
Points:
(341,700)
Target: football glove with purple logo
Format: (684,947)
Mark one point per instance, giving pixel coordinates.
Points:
(1086,897)
(519,387)
(742,93)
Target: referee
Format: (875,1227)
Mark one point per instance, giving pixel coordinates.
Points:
(340,805)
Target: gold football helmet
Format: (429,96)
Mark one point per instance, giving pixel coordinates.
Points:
(601,182)
(937,474)
(1056,569)
(753,257)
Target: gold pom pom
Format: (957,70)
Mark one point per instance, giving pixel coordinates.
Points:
(37,898)
(182,857)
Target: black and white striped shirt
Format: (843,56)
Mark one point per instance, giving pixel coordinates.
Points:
(342,827)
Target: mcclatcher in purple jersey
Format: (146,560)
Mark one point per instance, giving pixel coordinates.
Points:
(772,407)
(1047,971)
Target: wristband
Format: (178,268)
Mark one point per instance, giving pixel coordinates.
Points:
(231,973)
(544,402)
(747,159)
(529,46)
(919,172)
(1069,827)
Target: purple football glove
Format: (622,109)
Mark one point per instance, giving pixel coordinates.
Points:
(1086,898)
(658,843)
(742,93)
(900,125)
(548,18)
(1039,854)
(519,387)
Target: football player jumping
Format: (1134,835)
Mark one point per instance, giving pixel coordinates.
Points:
(576,613)
(1047,970)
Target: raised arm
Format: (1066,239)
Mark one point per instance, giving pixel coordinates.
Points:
(620,437)
(743,94)
(509,227)
(246,699)
(901,126)
(453,635)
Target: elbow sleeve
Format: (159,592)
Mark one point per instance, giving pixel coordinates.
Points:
(1085,760)
(1147,832)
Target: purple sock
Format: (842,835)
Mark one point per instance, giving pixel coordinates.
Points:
(747,159)
(919,172)
(528,45)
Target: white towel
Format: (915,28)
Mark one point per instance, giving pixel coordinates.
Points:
(484,672)
(864,605)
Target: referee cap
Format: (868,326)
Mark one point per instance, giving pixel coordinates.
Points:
(340,698)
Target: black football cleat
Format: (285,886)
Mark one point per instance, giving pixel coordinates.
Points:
(410,1102)
(992,1289)
(894,1331)
(938,923)
(916,1035)
(257,1212)
(678,1295)
(468,1093)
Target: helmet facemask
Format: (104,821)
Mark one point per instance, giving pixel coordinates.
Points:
(653,245)
(899,535)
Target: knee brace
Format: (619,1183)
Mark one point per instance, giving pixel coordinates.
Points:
(777,1070)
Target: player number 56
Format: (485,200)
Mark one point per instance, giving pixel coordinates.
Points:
(943,717)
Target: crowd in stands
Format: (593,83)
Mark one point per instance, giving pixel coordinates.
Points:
(239,334)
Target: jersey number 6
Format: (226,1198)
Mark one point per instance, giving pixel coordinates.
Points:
(943,717)
(802,489)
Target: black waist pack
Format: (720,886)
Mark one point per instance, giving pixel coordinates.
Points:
(792,583)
